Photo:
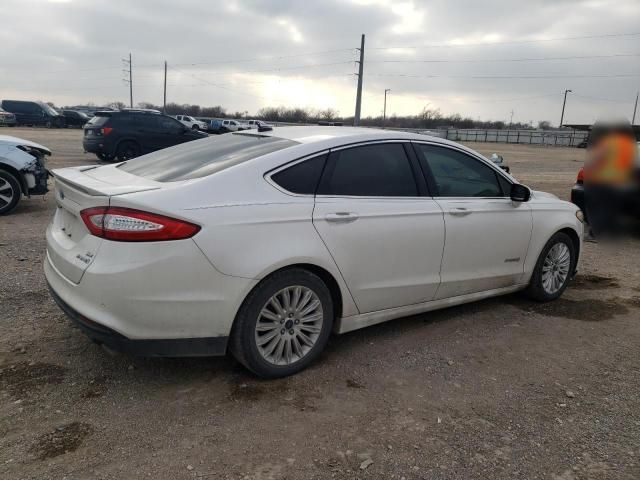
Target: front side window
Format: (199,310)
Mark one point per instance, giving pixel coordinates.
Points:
(204,157)
(457,174)
(380,170)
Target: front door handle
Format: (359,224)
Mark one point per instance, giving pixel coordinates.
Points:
(341,217)
(459,211)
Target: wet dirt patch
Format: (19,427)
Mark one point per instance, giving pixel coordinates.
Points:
(275,390)
(63,439)
(633,302)
(24,377)
(247,392)
(588,310)
(354,383)
(96,387)
(593,282)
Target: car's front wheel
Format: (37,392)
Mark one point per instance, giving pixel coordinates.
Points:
(9,192)
(553,269)
(195,127)
(284,324)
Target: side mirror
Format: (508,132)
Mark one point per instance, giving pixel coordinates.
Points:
(520,193)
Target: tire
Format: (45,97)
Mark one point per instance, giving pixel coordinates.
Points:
(10,192)
(127,150)
(195,127)
(537,289)
(282,329)
(105,157)
(48,125)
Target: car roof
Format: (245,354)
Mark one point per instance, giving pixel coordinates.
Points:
(345,135)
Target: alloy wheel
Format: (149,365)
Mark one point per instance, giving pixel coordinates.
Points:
(6,193)
(289,325)
(555,268)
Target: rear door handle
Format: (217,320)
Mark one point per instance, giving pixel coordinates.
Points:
(459,211)
(341,217)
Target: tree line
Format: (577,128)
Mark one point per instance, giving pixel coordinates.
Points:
(428,118)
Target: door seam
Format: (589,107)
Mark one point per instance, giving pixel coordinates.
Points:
(313,223)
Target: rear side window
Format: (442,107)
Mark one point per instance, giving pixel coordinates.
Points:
(303,177)
(380,170)
(457,174)
(203,157)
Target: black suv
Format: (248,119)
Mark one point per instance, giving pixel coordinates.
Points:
(127,134)
(33,113)
(75,118)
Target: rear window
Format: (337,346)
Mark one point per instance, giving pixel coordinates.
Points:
(98,121)
(203,157)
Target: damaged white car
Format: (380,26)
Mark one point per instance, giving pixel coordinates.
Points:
(22,171)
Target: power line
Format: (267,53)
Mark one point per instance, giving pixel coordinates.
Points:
(217,85)
(514,42)
(508,77)
(272,57)
(601,99)
(499,60)
(276,69)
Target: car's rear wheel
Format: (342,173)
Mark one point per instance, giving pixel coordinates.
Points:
(9,192)
(553,269)
(105,157)
(127,150)
(284,324)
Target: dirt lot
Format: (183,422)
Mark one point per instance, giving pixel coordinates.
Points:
(500,389)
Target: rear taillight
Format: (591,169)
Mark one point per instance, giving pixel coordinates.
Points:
(106,130)
(129,225)
(580,178)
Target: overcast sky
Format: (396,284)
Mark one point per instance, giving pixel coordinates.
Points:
(479,58)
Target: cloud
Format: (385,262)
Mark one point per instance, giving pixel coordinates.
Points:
(465,56)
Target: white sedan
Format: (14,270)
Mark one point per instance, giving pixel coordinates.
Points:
(262,244)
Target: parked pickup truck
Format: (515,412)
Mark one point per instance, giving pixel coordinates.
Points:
(192,122)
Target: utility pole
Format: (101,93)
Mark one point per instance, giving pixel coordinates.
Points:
(129,69)
(164,104)
(356,119)
(511,119)
(384,112)
(563,105)
(635,108)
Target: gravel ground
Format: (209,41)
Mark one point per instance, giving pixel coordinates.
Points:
(499,389)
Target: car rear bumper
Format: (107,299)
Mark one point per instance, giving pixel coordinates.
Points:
(145,299)
(93,145)
(182,347)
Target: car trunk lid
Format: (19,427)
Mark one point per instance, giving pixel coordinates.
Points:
(70,246)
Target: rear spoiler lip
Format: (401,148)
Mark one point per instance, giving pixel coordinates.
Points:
(114,190)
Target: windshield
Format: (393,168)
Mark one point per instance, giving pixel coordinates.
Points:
(201,158)
(50,110)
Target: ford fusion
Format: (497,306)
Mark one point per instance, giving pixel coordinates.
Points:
(262,244)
